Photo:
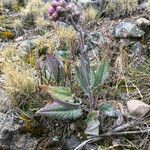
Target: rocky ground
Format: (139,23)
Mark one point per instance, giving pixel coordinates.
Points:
(126,36)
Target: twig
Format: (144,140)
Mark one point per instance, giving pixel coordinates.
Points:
(79,147)
(84,60)
(116,131)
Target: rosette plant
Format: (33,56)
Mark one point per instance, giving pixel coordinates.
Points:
(66,105)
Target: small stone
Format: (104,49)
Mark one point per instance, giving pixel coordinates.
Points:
(143,22)
(72,143)
(73,127)
(90,147)
(144,5)
(20,38)
(138,108)
(137,48)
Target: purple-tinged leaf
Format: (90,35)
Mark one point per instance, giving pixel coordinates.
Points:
(55,68)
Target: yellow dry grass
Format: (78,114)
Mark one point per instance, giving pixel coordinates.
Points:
(20,78)
(36,7)
(90,14)
(18,26)
(68,37)
(66,33)
(47,42)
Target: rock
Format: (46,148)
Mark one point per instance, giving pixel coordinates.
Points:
(142,1)
(18,39)
(127,29)
(26,142)
(72,143)
(2,29)
(138,108)
(96,38)
(140,60)
(10,137)
(143,22)
(137,49)
(3,45)
(5,100)
(144,5)
(26,46)
(7,130)
(90,147)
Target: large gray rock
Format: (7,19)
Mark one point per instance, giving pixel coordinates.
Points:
(10,137)
(128,29)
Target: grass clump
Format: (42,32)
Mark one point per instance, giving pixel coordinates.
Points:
(47,43)
(18,27)
(9,53)
(90,14)
(9,3)
(33,9)
(121,7)
(20,78)
(68,38)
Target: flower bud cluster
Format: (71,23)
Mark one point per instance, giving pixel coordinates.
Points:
(61,10)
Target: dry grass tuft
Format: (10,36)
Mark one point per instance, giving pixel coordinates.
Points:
(35,12)
(66,33)
(68,38)
(122,6)
(18,26)
(47,41)
(9,4)
(41,22)
(9,53)
(90,14)
(33,6)
(20,78)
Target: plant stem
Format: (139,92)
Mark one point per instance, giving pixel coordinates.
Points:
(84,59)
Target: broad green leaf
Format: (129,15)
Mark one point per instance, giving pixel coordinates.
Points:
(61,94)
(58,111)
(102,73)
(82,80)
(92,78)
(108,110)
(63,54)
(92,123)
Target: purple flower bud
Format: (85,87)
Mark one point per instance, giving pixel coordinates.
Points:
(54,4)
(51,10)
(70,6)
(62,3)
(59,9)
(54,16)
